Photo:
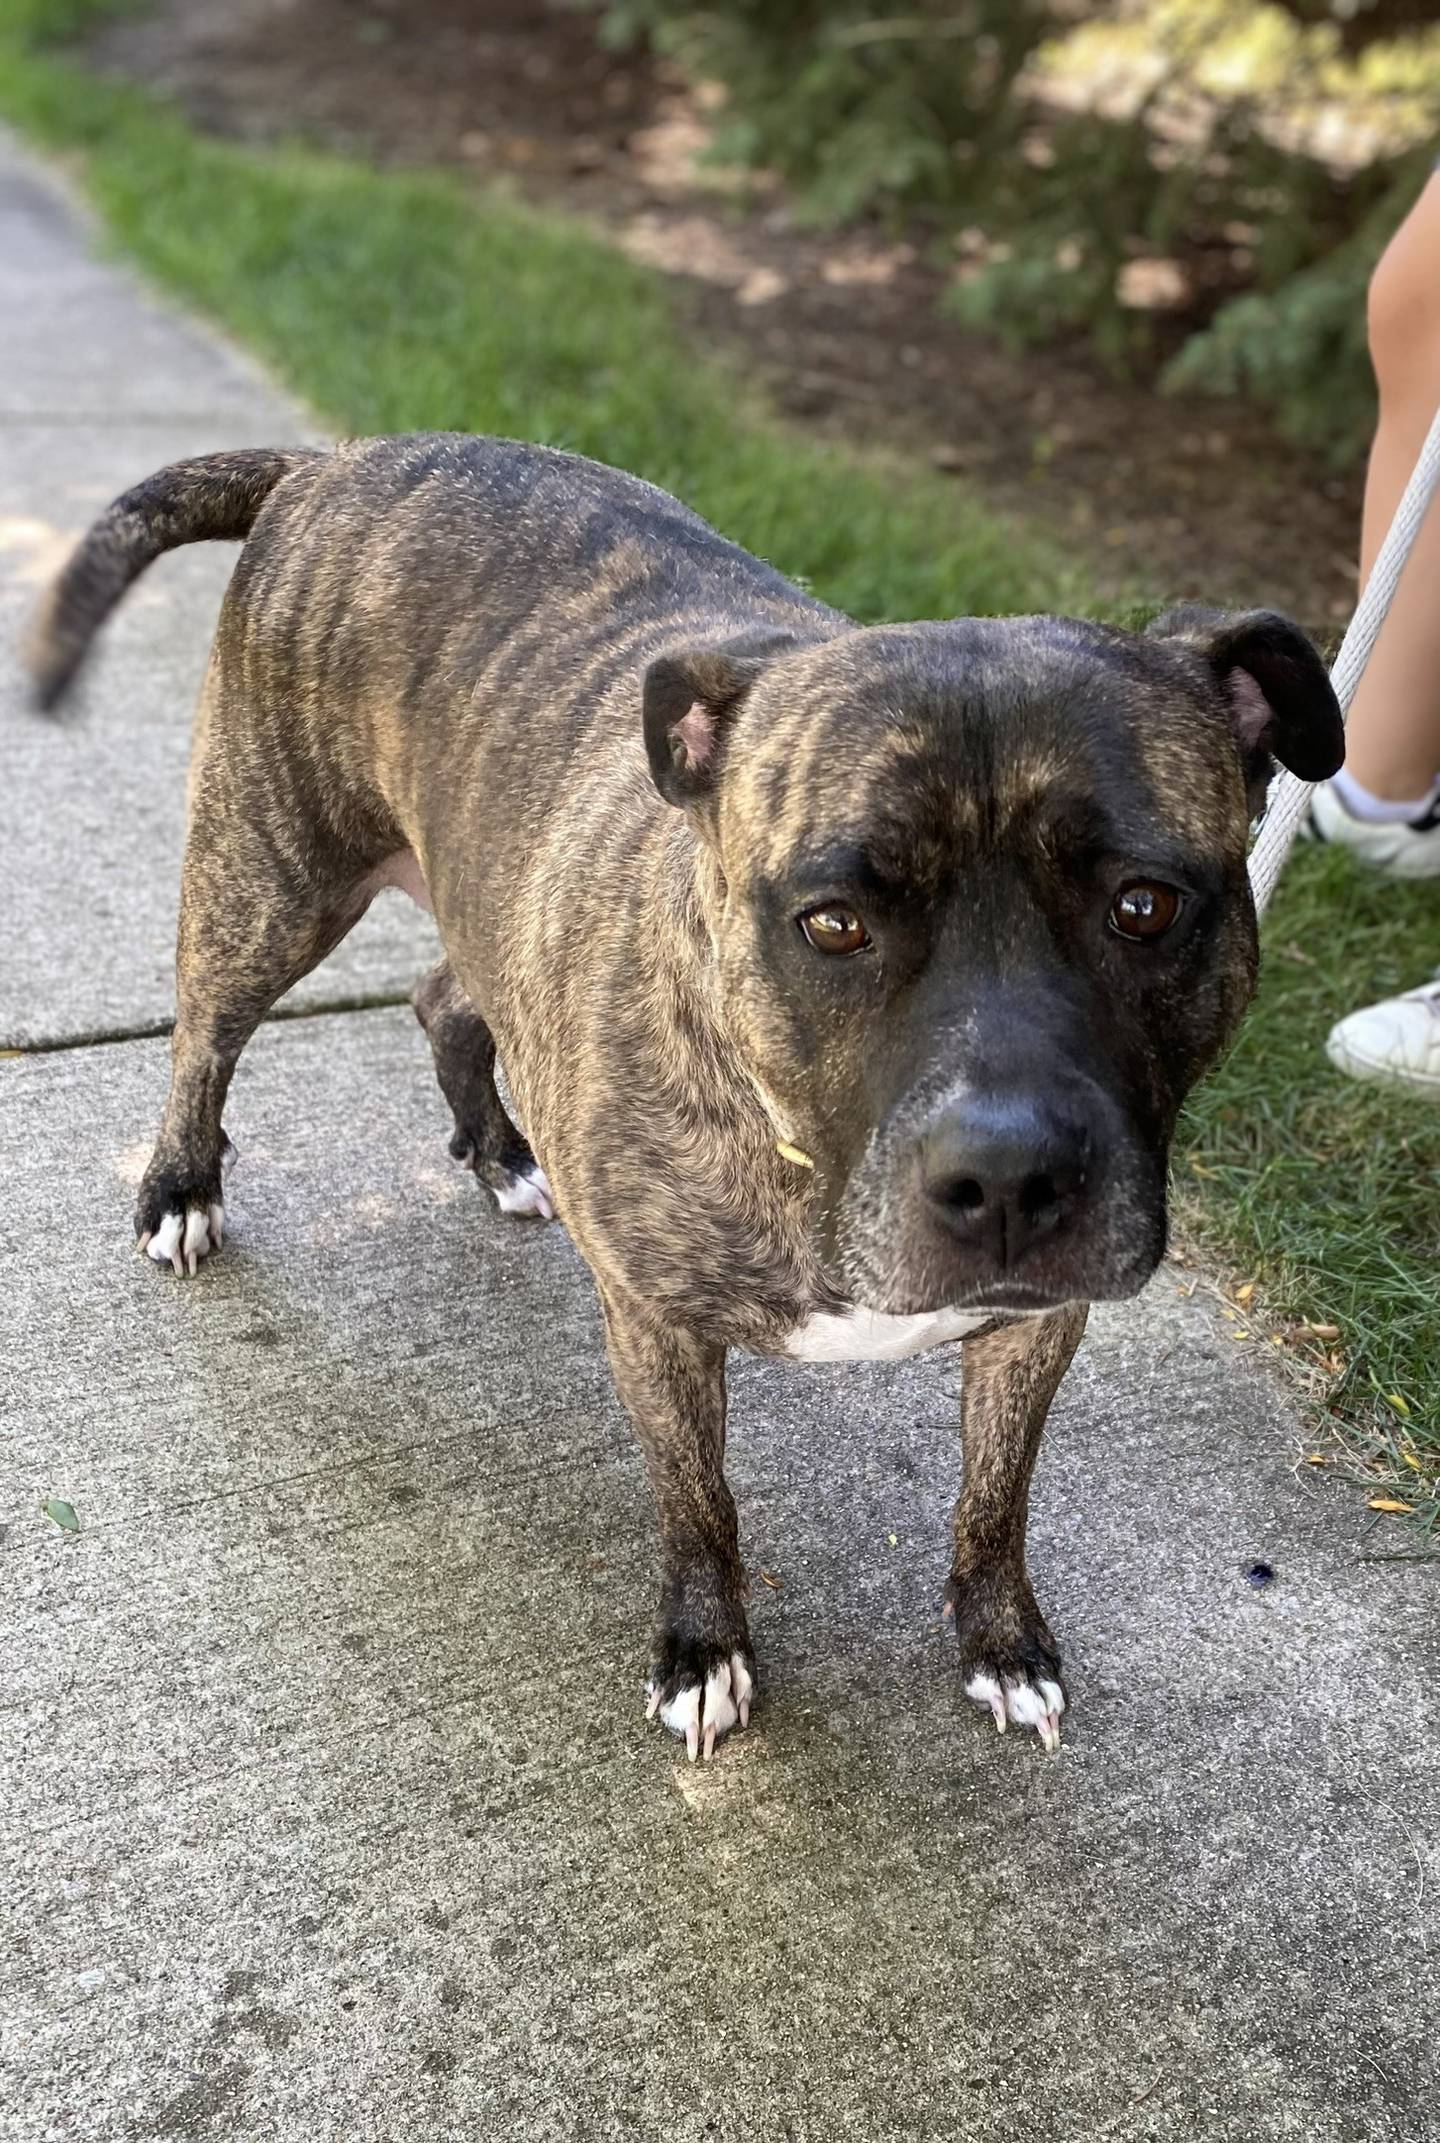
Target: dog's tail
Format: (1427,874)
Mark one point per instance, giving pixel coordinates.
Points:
(214,496)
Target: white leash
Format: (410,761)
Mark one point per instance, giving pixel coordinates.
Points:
(1289,794)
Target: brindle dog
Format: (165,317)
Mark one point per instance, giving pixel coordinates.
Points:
(848,980)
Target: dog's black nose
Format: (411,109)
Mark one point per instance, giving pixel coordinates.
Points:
(1004,1172)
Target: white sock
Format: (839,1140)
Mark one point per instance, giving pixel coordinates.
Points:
(1362,803)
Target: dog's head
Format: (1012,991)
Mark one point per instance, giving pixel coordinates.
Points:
(978,902)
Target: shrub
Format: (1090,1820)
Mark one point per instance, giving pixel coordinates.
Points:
(1262,150)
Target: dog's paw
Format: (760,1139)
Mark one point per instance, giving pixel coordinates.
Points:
(180,1235)
(1015,1700)
(703,1697)
(523,1190)
(1007,1655)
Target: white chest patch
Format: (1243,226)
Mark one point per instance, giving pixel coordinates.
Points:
(875,1336)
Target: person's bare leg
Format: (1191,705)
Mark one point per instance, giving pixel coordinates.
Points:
(1393,734)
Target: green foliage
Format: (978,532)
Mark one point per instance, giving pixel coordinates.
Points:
(859,112)
(1300,349)
(978,116)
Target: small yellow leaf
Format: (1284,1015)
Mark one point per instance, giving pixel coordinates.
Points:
(1316,1458)
(1198,1168)
(1400,1403)
(1240,1334)
(773,1582)
(1324,1331)
(1411,1460)
(1243,1294)
(1389,1503)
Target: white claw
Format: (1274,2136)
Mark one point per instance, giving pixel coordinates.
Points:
(652,1704)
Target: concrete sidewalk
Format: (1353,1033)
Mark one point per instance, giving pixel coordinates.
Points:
(326,1806)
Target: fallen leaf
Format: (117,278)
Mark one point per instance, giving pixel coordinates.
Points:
(1317,1458)
(1198,1168)
(62,1512)
(773,1582)
(1390,1503)
(1323,1331)
(1411,1460)
(1243,1294)
(894,1539)
(1400,1403)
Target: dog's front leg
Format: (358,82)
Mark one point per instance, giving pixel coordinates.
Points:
(702,1668)
(1007,1654)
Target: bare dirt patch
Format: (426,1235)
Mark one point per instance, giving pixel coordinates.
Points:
(1182,496)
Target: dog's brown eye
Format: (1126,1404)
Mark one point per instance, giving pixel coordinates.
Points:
(834,930)
(1143,910)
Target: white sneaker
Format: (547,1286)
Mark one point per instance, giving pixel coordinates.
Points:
(1400,849)
(1396,1041)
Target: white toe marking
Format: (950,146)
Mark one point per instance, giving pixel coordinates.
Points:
(721,1711)
(699,1717)
(182,1239)
(1023,1704)
(196,1241)
(527,1192)
(682,1717)
(164,1244)
(984,1689)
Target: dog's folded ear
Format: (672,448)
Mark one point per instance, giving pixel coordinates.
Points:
(690,700)
(1281,700)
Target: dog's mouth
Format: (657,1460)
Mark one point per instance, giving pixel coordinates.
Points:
(905,1297)
(1014,1301)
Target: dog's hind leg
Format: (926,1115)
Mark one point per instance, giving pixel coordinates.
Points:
(265,894)
(485,1137)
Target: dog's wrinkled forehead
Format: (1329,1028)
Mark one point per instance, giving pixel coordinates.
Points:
(942,741)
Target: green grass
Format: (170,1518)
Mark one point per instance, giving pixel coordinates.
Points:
(1325,1190)
(396,302)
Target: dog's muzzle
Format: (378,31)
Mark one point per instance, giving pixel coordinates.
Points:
(1022,1196)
